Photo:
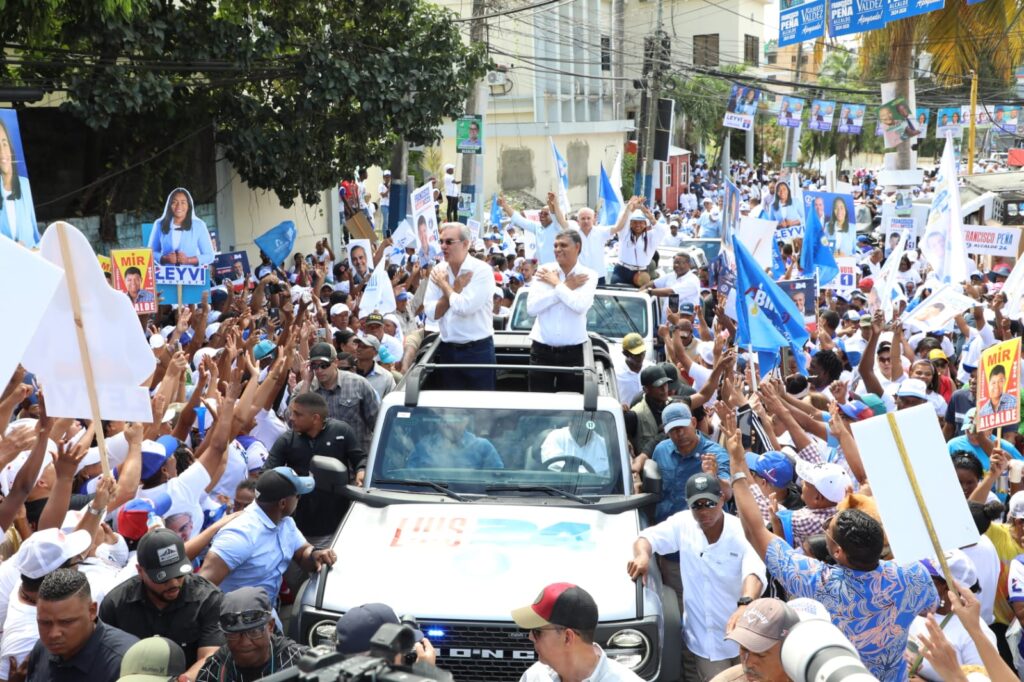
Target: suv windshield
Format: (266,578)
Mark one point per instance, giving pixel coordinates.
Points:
(611,316)
(472,449)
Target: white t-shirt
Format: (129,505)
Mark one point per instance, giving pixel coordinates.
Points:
(268,429)
(986,566)
(20,633)
(385,199)
(966,652)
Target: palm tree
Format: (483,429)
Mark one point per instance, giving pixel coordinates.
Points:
(959,38)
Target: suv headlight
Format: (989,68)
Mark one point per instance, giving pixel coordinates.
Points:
(324,633)
(629,647)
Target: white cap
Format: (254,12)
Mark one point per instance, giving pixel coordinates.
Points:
(46,550)
(498,292)
(386,172)
(961,568)
(706,351)
(339,308)
(203,353)
(912,388)
(92,456)
(830,479)
(637,215)
(212,329)
(449,166)
(1015,507)
(156,342)
(256,455)
(167,331)
(10,472)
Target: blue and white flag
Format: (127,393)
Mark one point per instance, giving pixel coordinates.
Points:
(278,242)
(816,253)
(943,243)
(378,295)
(766,318)
(778,264)
(611,204)
(562,178)
(496,212)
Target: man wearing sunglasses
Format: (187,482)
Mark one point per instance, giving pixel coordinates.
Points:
(252,650)
(720,571)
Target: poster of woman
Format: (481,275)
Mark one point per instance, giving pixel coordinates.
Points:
(17,212)
(787,213)
(834,213)
(179,236)
(947,119)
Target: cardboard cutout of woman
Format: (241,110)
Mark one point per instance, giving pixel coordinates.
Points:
(17,212)
(179,237)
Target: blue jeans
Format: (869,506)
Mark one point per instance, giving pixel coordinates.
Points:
(623,275)
(480,352)
(385,230)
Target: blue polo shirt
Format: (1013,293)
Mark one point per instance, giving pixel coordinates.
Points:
(676,468)
(257,551)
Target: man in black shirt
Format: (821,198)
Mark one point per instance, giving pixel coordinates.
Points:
(181,606)
(72,646)
(313,433)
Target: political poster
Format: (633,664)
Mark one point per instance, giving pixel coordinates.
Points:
(822,113)
(921,118)
(801,20)
(404,237)
(998,398)
(105,265)
(194,280)
(834,213)
(845,283)
(986,240)
(897,122)
(179,236)
(360,259)
(803,292)
(231,267)
(134,275)
(425,220)
(790,112)
(474,229)
(901,9)
(981,117)
(469,136)
(742,106)
(1005,118)
(936,311)
(851,118)
(855,16)
(895,227)
(948,120)
(17,221)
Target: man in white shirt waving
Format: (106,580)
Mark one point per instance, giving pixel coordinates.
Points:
(459,300)
(560,298)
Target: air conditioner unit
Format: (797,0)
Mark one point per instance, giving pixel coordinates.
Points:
(496,78)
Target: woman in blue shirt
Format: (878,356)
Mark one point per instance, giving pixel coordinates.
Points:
(180,237)
(17,212)
(783,210)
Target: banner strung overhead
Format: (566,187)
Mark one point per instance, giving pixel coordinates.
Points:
(801,20)
(822,113)
(855,16)
(851,118)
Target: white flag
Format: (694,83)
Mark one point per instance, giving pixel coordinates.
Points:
(943,242)
(561,178)
(1014,290)
(378,296)
(886,283)
(35,280)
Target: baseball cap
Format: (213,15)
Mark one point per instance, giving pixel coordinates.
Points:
(136,516)
(961,568)
(368,340)
(874,403)
(686,309)
(676,414)
(385,356)
(706,351)
(865,320)
(154,454)
(154,659)
(633,344)
(282,482)
(161,553)
(246,608)
(773,466)
(357,627)
(322,351)
(255,452)
(386,172)
(912,388)
(45,551)
(1001,270)
(263,349)
(562,604)
(404,296)
(373,318)
(828,478)
(763,624)
(857,410)
(653,376)
(702,486)
(937,354)
(339,308)
(851,316)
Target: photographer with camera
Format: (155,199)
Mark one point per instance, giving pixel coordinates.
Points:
(357,628)
(760,632)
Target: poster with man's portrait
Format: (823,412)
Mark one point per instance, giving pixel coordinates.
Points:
(133,273)
(469,138)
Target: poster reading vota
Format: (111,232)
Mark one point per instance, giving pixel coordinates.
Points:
(851,118)
(855,16)
(822,113)
(998,386)
(739,112)
(801,20)
(790,111)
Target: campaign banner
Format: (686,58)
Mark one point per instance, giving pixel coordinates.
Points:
(896,121)
(802,292)
(469,136)
(105,265)
(834,213)
(851,118)
(999,386)
(784,234)
(822,113)
(801,20)
(985,240)
(134,276)
(855,16)
(403,237)
(981,118)
(194,280)
(901,9)
(947,119)
(845,283)
(1006,117)
(17,222)
(474,228)
(425,219)
(790,112)
(895,227)
(741,108)
(936,311)
(231,267)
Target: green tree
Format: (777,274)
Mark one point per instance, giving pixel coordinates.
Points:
(296,94)
(702,99)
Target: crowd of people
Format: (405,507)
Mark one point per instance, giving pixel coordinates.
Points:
(184,557)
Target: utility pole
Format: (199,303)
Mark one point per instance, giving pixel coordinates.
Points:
(618,59)
(658,59)
(792,152)
(974,118)
(474,105)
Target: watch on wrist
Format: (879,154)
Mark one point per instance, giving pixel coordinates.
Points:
(93,510)
(743,601)
(739,476)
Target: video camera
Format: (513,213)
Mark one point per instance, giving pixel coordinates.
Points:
(324,664)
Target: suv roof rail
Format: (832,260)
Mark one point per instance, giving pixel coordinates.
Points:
(419,372)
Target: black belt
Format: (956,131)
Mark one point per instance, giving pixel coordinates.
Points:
(468,344)
(558,349)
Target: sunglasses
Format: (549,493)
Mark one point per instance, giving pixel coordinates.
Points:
(319,365)
(538,632)
(254,618)
(449,242)
(703,504)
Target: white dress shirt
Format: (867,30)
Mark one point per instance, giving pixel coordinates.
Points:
(607,670)
(592,253)
(469,315)
(545,236)
(450,188)
(688,202)
(712,577)
(638,251)
(561,312)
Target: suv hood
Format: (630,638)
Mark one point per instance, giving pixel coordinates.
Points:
(479,561)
